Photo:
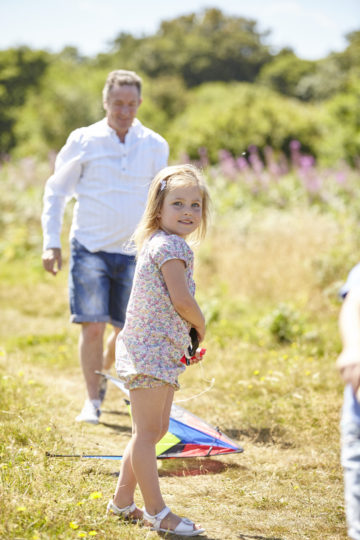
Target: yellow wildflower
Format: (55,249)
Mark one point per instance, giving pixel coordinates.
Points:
(95,495)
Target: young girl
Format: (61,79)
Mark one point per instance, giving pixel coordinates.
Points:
(160,313)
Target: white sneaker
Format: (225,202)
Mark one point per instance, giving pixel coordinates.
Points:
(89,413)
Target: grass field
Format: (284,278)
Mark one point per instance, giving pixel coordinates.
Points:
(267,278)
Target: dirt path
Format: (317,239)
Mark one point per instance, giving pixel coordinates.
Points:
(67,388)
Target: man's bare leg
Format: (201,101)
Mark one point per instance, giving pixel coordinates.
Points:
(109,353)
(91,355)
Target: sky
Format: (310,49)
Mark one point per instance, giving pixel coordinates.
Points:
(312,28)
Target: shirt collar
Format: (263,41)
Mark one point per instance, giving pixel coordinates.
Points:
(134,128)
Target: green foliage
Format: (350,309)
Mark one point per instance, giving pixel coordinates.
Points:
(44,96)
(208,46)
(285,72)
(164,99)
(234,116)
(68,97)
(323,82)
(334,74)
(20,70)
(342,126)
(284,323)
(350,58)
(20,208)
(168,93)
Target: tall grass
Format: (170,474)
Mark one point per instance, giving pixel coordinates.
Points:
(267,277)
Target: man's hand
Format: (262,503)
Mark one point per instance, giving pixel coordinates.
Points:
(52,261)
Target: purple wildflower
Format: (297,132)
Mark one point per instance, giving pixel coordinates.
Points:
(204,158)
(228,164)
(242,163)
(341,177)
(295,147)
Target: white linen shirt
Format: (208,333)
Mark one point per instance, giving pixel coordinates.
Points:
(110,182)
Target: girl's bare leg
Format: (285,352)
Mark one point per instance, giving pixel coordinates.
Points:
(124,493)
(150,412)
(125,489)
(147,408)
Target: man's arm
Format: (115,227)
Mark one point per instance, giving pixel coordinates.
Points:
(349,323)
(59,188)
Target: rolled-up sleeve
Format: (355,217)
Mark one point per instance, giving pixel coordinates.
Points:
(60,188)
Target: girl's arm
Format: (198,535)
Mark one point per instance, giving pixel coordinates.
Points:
(183,301)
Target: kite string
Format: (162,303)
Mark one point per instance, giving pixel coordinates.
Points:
(211,384)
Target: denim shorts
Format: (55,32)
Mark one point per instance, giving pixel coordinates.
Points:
(99,285)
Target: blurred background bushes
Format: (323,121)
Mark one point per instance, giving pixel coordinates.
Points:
(210,81)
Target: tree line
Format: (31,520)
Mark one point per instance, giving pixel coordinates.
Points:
(210,81)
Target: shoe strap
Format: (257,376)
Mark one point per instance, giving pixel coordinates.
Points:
(124,511)
(157,518)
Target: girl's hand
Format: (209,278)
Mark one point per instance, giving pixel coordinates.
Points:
(198,356)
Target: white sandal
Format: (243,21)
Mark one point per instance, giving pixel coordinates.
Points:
(124,512)
(184,528)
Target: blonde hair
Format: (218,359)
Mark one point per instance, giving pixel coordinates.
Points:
(165,181)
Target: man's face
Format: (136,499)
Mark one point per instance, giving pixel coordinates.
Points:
(121,108)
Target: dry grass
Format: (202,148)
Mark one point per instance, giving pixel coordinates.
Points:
(269,255)
(281,402)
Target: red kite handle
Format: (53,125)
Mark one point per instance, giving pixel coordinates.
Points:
(185,360)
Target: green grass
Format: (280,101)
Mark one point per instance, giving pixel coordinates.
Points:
(267,279)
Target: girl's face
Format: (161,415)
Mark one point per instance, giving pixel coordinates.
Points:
(181,211)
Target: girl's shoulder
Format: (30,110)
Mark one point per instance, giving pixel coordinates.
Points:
(163,246)
(161,238)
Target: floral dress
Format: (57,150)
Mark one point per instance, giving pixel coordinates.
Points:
(155,336)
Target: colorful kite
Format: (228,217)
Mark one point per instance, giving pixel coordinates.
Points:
(188,435)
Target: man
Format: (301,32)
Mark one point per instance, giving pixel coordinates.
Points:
(107,167)
(349,365)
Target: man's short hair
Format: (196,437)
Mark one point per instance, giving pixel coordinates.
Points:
(121,77)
